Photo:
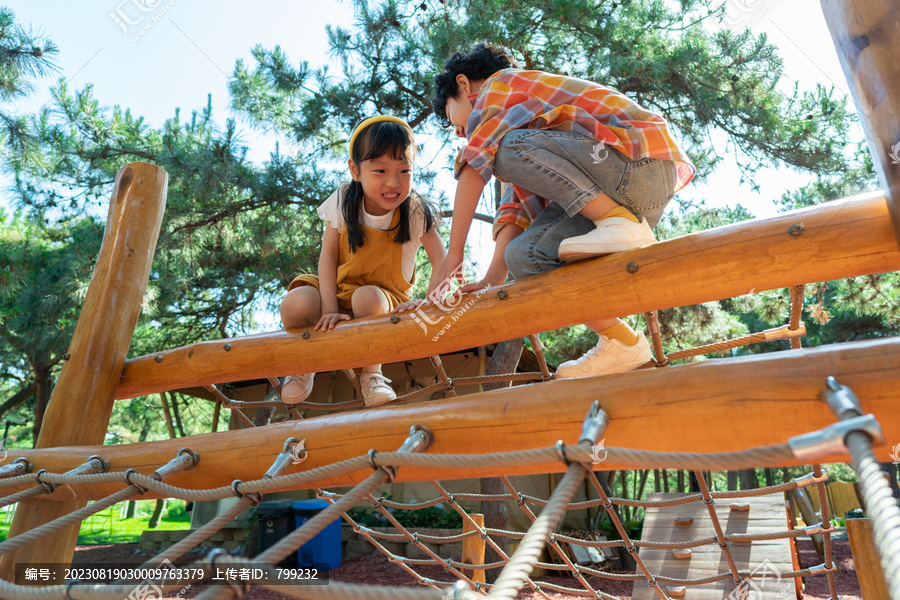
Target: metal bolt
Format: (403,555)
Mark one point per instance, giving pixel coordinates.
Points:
(502,295)
(158,358)
(190,354)
(67,356)
(227,347)
(395,319)
(632,267)
(795,230)
(305,335)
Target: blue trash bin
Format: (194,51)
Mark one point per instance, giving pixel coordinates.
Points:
(324,550)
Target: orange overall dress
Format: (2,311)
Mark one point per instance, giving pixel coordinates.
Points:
(377,262)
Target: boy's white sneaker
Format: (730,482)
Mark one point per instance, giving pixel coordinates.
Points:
(607,357)
(297,388)
(375,389)
(615,234)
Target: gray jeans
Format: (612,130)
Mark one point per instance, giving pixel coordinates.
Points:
(571,169)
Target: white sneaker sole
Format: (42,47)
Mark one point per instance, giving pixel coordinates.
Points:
(576,252)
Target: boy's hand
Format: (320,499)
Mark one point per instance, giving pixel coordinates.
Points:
(450,269)
(475,286)
(329,320)
(409,305)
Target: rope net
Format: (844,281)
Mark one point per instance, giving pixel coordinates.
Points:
(461,581)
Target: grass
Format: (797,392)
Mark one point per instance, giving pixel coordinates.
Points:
(110,527)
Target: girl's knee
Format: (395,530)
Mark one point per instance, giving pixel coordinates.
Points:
(369,300)
(301,306)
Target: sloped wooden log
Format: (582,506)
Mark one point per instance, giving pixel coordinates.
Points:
(81,404)
(866,35)
(717,405)
(838,239)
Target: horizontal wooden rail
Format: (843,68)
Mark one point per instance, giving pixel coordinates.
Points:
(713,406)
(838,239)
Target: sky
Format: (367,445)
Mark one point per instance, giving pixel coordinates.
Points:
(155,55)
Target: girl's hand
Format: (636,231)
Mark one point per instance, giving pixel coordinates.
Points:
(409,305)
(329,320)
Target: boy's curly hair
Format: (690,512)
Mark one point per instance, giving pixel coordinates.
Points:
(483,61)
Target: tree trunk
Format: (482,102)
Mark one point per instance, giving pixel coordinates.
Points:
(18,398)
(44,385)
(262,415)
(504,359)
(770,476)
(177,414)
(168,415)
(157,513)
(732,480)
(129,509)
(748,480)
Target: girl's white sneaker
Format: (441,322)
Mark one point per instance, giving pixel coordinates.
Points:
(297,388)
(375,389)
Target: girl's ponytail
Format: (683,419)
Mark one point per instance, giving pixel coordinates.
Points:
(350,207)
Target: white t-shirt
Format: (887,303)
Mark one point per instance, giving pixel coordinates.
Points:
(330,211)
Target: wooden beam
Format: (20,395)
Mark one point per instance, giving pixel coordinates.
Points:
(715,405)
(837,239)
(866,560)
(867,39)
(80,407)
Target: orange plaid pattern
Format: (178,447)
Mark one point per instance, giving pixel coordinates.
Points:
(516,99)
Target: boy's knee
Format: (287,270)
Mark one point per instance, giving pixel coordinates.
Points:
(518,259)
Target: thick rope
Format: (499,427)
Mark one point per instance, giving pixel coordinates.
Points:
(33,535)
(199,535)
(880,507)
(23,495)
(742,459)
(520,565)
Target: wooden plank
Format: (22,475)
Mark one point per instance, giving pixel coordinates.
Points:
(473,548)
(691,408)
(659,525)
(81,404)
(866,561)
(867,40)
(722,263)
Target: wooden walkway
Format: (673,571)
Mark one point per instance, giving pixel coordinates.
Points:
(766,514)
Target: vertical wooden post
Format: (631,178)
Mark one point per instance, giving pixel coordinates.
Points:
(473,549)
(865,559)
(80,407)
(867,39)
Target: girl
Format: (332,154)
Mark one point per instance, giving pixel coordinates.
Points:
(374,225)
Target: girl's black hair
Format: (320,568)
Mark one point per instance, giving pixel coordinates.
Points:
(379,139)
(480,63)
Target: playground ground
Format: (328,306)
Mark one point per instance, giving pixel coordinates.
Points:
(375,570)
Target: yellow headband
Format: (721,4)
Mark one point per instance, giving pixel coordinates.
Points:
(377,119)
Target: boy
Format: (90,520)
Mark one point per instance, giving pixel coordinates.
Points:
(590,172)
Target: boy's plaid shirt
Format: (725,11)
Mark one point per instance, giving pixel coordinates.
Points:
(516,99)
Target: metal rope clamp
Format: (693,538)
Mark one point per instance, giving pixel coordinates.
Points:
(810,447)
(20,466)
(94,464)
(420,438)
